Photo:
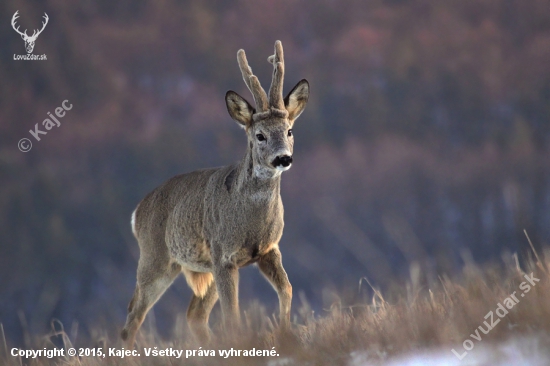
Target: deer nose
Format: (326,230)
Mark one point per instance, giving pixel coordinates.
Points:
(283,160)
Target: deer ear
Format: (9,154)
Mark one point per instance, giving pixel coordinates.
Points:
(296,100)
(239,109)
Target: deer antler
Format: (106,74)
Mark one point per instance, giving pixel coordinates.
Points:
(35,34)
(276,89)
(275,105)
(24,34)
(252,82)
(13,20)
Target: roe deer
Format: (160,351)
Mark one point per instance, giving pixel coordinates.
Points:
(208,223)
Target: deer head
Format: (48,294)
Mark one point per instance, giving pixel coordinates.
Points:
(29,40)
(269,125)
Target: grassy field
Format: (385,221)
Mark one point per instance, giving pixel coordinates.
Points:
(473,313)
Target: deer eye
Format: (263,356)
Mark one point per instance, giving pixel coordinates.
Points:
(290,132)
(260,137)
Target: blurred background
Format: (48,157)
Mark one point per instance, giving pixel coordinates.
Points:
(425,142)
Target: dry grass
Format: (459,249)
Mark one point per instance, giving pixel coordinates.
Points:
(440,315)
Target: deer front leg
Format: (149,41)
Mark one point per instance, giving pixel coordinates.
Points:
(271,266)
(226,277)
(198,313)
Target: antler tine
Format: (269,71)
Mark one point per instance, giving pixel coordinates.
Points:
(46,18)
(13,21)
(276,89)
(252,82)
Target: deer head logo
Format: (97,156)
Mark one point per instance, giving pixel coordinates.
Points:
(29,40)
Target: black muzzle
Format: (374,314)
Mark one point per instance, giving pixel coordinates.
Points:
(283,161)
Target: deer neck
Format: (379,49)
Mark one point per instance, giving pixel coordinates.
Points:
(254,180)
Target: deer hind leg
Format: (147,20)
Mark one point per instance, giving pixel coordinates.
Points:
(199,310)
(271,266)
(151,284)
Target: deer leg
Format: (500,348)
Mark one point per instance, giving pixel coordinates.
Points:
(149,289)
(271,266)
(199,311)
(226,277)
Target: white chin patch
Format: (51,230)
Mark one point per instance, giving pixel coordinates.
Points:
(268,173)
(281,168)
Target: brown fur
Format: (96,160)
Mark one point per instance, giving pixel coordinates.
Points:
(199,282)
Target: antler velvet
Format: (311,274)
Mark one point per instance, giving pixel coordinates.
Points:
(275,106)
